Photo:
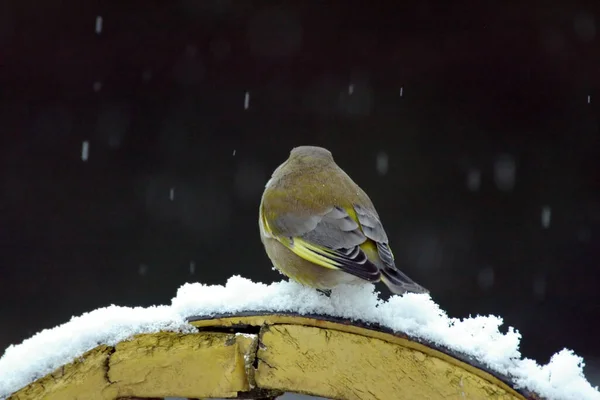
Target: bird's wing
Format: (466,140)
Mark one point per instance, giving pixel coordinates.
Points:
(330,240)
(373,229)
(371,225)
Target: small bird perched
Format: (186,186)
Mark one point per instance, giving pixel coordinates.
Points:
(321,229)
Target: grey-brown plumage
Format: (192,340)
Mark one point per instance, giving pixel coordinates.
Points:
(321,229)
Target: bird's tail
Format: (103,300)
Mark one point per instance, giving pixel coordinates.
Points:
(400,283)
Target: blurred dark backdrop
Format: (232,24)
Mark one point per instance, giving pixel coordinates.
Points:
(136,138)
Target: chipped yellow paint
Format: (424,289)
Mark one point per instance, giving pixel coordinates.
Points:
(86,375)
(341,365)
(171,364)
(262,320)
(300,354)
(162,364)
(248,346)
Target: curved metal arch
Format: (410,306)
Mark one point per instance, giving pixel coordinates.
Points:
(263,355)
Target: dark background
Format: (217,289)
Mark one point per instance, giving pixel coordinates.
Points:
(497,121)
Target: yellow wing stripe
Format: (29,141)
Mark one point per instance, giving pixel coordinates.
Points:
(314,254)
(368,245)
(352,213)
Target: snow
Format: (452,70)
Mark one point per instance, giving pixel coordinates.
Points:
(246,100)
(546,214)
(85,150)
(99,24)
(414,314)
(474,179)
(382,162)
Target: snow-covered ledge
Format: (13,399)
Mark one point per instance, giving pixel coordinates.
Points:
(225,341)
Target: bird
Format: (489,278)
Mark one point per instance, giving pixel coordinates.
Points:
(319,228)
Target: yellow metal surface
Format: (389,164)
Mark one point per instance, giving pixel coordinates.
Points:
(292,353)
(267,320)
(172,364)
(341,365)
(85,376)
(200,365)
